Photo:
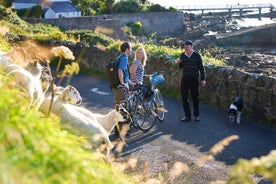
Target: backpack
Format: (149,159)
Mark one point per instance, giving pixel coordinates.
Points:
(112,72)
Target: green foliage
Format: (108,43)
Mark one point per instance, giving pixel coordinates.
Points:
(98,7)
(209,59)
(136,28)
(7,15)
(35,149)
(243,170)
(128,32)
(90,37)
(33,12)
(6,3)
(115,46)
(90,7)
(127,6)
(4,44)
(13,28)
(44,37)
(163,51)
(157,8)
(45,28)
(172,9)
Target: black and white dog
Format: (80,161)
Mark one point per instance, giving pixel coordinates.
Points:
(235,108)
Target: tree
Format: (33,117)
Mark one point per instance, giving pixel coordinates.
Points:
(6,3)
(84,6)
(92,7)
(157,8)
(108,6)
(127,6)
(34,12)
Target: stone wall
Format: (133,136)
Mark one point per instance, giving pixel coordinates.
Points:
(110,27)
(165,24)
(223,84)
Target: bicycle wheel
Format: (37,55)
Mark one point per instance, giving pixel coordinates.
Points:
(135,102)
(146,115)
(160,105)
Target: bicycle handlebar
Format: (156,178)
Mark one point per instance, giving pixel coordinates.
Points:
(155,73)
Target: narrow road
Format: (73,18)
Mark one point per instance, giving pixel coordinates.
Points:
(171,140)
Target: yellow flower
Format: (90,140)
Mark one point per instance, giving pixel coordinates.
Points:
(63,51)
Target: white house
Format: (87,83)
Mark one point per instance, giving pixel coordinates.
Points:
(51,8)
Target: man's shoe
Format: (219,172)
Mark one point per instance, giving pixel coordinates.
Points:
(196,118)
(186,119)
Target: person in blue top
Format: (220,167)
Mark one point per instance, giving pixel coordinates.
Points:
(120,93)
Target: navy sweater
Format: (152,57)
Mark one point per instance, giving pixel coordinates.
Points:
(191,66)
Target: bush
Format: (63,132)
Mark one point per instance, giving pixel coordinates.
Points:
(8,15)
(136,28)
(45,38)
(157,8)
(90,37)
(33,12)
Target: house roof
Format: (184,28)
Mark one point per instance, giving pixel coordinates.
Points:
(63,7)
(27,1)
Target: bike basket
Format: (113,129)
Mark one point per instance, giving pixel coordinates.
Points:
(157,79)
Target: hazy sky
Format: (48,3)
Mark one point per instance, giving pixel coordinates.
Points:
(209,2)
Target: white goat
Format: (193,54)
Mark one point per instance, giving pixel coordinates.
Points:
(108,121)
(30,82)
(77,123)
(69,95)
(78,120)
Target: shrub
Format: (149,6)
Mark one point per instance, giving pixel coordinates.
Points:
(157,8)
(45,38)
(8,15)
(243,170)
(136,28)
(90,37)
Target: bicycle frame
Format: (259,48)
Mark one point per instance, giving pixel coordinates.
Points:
(144,112)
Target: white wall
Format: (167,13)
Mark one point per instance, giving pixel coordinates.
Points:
(51,14)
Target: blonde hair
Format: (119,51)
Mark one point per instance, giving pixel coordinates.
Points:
(145,57)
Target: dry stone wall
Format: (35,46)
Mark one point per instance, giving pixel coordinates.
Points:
(223,84)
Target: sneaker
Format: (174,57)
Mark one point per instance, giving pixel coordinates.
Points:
(196,118)
(186,119)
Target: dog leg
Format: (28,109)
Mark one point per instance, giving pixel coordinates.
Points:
(238,117)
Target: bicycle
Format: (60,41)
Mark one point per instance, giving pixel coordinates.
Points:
(145,105)
(157,79)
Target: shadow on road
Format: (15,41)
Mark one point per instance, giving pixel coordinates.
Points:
(255,140)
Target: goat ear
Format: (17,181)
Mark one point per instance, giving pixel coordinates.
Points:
(69,88)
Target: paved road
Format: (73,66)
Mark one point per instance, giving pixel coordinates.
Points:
(172,140)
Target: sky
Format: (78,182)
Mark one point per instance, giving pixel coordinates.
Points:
(209,2)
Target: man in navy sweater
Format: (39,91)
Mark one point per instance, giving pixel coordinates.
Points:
(190,62)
